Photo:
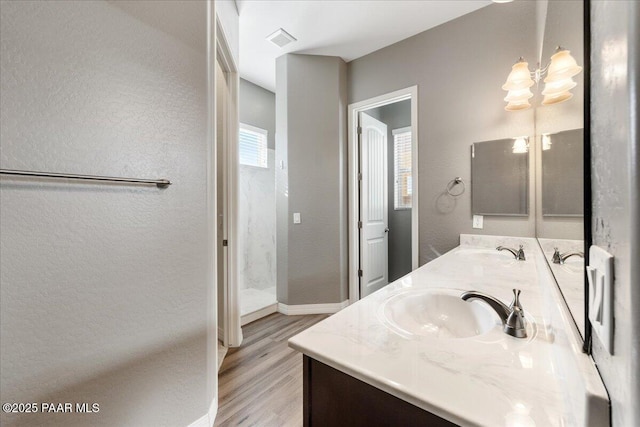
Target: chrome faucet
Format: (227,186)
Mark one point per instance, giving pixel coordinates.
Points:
(512,317)
(559,258)
(519,254)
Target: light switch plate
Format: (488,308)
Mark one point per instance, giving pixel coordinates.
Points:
(600,278)
(478,221)
(296,218)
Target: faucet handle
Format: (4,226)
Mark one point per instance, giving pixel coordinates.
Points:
(515,304)
(516,323)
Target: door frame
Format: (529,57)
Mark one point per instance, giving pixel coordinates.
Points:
(231,330)
(353,166)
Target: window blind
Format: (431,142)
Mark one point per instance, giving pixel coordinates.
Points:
(402,168)
(252,148)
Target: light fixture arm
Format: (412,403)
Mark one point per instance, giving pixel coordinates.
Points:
(539,73)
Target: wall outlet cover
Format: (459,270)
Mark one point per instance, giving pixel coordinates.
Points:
(296,218)
(478,221)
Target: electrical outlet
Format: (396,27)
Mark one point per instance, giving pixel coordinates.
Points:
(478,221)
(296,218)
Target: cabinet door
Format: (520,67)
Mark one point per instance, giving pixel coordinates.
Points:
(333,398)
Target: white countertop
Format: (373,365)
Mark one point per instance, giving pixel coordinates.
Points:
(570,276)
(497,380)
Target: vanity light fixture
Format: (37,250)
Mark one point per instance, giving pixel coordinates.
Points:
(558,82)
(520,145)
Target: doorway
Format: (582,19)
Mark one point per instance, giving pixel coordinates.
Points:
(383,202)
(226,116)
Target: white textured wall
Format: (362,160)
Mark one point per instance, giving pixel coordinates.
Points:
(103,287)
(257,226)
(615,150)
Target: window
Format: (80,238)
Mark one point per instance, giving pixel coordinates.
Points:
(402,168)
(253,146)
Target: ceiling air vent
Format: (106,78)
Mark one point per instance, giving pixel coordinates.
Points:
(281,38)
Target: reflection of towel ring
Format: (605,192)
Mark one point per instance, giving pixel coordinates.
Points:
(457,180)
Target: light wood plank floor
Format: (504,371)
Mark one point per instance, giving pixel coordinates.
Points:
(260,383)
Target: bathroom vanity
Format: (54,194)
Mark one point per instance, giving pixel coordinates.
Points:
(415,353)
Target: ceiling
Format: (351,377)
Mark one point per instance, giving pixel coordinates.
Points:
(345,28)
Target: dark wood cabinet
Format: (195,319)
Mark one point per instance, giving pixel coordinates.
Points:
(333,399)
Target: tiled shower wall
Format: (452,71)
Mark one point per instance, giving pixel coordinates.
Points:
(257,226)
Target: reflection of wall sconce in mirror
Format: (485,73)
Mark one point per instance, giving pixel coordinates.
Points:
(546,142)
(520,145)
(558,83)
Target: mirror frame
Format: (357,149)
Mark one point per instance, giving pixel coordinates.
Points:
(588,218)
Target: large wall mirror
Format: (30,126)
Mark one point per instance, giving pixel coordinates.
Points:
(500,168)
(560,142)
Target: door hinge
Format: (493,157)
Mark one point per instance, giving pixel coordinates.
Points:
(225,242)
(359,273)
(360,176)
(359,224)
(359,130)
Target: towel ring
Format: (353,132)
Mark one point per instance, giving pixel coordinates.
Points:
(457,180)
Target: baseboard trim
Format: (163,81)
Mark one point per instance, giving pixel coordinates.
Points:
(258,314)
(213,411)
(207,419)
(294,310)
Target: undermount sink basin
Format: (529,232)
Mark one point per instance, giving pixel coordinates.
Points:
(485,254)
(436,313)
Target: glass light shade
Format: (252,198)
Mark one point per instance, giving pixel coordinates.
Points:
(519,77)
(562,66)
(518,95)
(557,87)
(520,145)
(546,142)
(556,99)
(517,106)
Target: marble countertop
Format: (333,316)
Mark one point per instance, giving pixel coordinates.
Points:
(570,276)
(494,381)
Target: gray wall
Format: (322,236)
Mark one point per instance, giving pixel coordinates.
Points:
(395,116)
(311,140)
(104,293)
(258,108)
(615,149)
(459,68)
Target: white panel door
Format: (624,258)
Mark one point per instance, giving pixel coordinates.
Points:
(373,205)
